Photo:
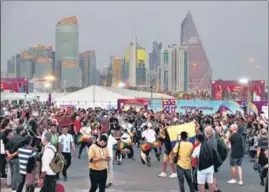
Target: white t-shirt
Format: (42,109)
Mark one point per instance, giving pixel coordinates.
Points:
(111,141)
(196,154)
(147,124)
(126,137)
(66,141)
(149,135)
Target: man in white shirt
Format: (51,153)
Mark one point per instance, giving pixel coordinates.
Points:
(149,136)
(48,177)
(66,141)
(126,125)
(110,143)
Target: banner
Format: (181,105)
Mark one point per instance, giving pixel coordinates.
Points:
(207,106)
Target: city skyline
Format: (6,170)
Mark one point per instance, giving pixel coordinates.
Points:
(229,40)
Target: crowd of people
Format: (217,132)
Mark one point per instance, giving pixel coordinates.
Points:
(32,135)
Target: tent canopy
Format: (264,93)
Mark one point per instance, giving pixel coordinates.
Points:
(99,96)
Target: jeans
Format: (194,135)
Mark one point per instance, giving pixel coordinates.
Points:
(21,184)
(49,184)
(67,157)
(181,173)
(3,165)
(98,179)
(15,173)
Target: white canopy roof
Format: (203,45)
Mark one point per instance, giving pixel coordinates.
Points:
(29,97)
(104,96)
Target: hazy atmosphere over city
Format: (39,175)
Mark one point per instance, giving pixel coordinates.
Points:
(231,32)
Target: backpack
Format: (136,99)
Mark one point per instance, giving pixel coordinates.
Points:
(222,149)
(206,156)
(57,163)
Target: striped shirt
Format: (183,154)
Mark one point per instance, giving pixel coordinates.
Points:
(24,155)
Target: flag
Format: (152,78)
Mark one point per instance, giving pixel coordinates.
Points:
(175,131)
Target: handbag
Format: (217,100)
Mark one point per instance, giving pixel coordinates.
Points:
(176,157)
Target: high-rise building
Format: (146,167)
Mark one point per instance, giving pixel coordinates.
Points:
(43,61)
(154,63)
(67,67)
(200,72)
(117,71)
(11,67)
(87,63)
(98,78)
(36,63)
(135,64)
(174,69)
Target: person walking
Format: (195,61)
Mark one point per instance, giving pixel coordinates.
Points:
(66,141)
(237,155)
(205,163)
(110,143)
(98,163)
(47,178)
(168,155)
(24,154)
(86,139)
(183,149)
(12,156)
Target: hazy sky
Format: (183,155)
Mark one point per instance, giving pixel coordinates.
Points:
(230,31)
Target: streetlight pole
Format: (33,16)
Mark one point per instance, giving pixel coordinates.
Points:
(248,98)
(151,96)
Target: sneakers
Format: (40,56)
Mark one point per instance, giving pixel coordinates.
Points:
(232,181)
(173,175)
(65,178)
(162,174)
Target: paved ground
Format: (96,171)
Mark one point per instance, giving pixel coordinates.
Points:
(133,176)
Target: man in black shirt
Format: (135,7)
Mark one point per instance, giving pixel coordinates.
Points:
(261,157)
(113,121)
(237,154)
(13,145)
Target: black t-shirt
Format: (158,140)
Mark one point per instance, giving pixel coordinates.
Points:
(33,126)
(112,120)
(14,144)
(263,143)
(237,147)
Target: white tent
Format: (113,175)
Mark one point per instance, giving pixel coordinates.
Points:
(105,97)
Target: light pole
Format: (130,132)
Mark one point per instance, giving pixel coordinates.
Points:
(245,81)
(151,96)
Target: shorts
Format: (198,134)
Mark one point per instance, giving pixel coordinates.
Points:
(168,158)
(203,178)
(236,162)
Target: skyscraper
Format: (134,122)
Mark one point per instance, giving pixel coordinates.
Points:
(67,53)
(154,62)
(174,69)
(87,64)
(117,71)
(135,64)
(43,60)
(200,72)
(11,67)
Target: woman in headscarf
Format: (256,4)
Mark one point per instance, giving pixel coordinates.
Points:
(99,157)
